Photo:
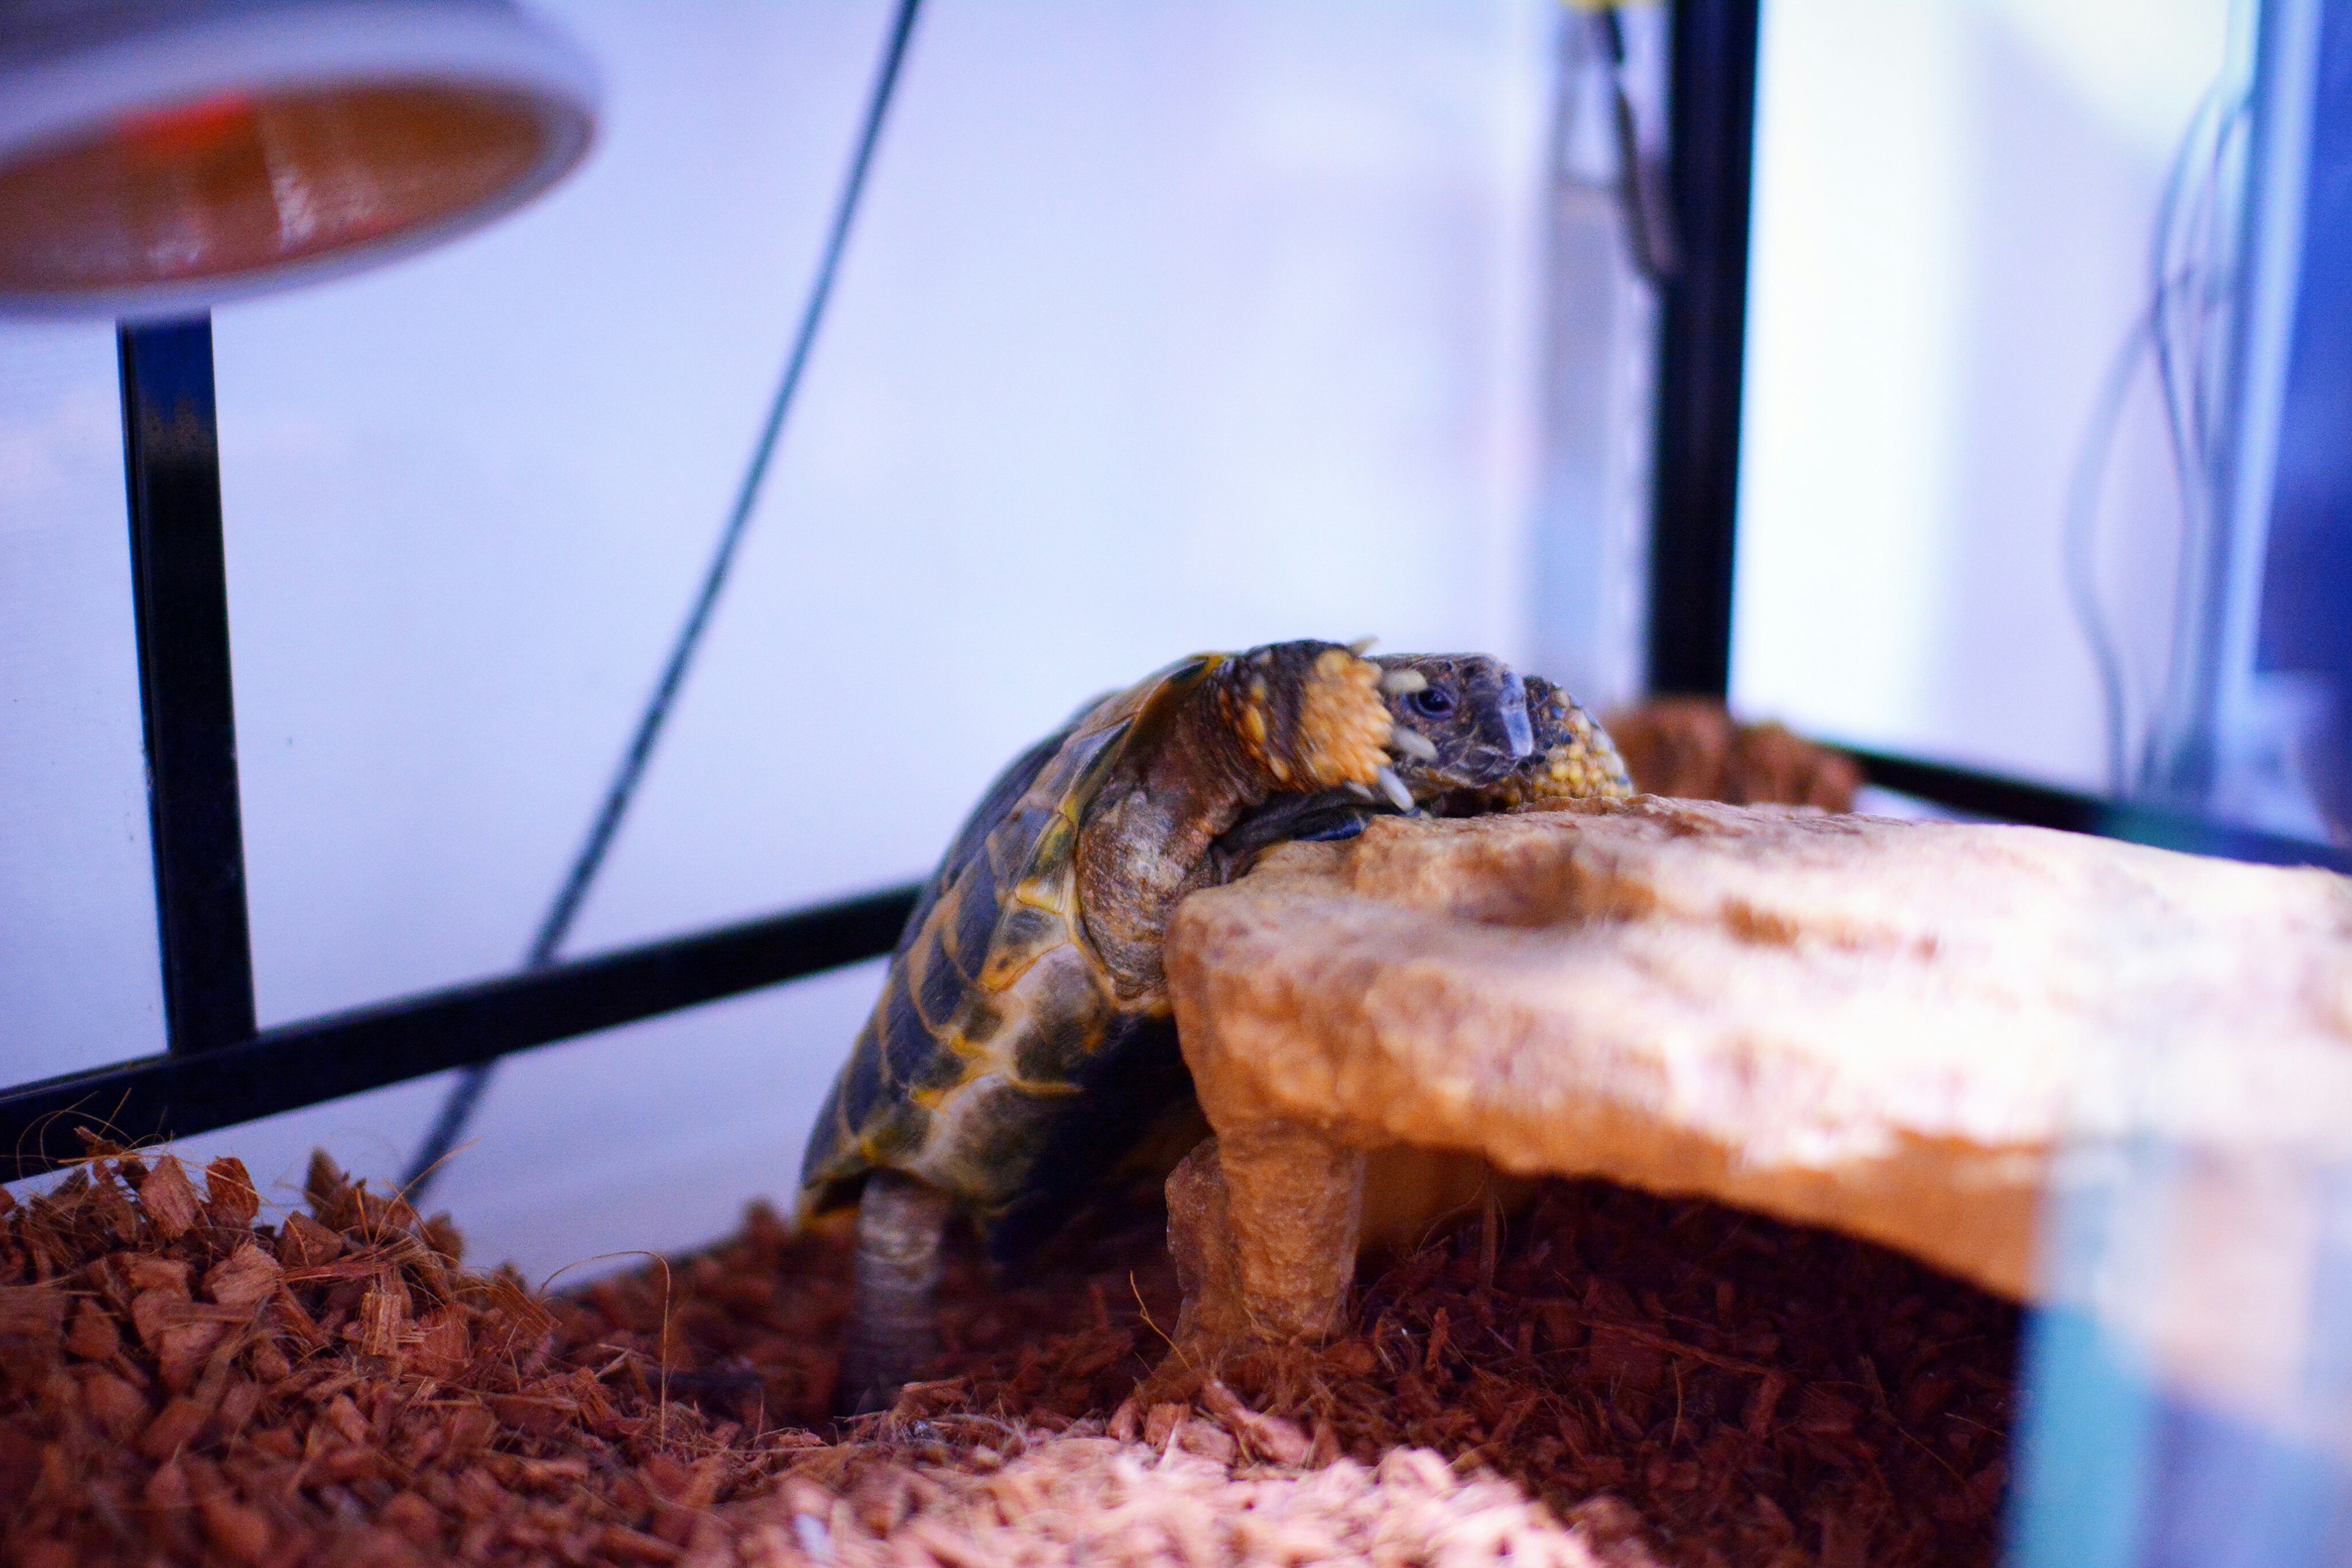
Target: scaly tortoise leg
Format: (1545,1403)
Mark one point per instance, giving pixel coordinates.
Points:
(894,1324)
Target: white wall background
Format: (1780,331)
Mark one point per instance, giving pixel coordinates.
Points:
(78,983)
(1953,211)
(1166,327)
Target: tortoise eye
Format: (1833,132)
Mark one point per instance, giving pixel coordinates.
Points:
(1431,702)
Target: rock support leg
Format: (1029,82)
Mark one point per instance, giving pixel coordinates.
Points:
(1264,1222)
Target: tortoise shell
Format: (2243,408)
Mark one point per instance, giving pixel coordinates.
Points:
(999,1018)
(996,1015)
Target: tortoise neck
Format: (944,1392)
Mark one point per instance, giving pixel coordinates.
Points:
(1147,842)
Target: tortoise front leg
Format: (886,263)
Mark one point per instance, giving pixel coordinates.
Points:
(1289,718)
(893,1321)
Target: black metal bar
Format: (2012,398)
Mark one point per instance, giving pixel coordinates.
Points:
(1701,339)
(178,1095)
(179,579)
(2042,806)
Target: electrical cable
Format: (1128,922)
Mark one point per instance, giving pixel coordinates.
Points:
(2189,285)
(2079,529)
(465,1094)
(1646,205)
(2192,281)
(2081,542)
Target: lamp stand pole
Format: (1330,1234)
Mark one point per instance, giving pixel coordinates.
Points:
(179,573)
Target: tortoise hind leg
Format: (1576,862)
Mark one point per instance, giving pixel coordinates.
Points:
(893,1326)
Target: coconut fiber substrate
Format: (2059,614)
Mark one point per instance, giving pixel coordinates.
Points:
(1607,1379)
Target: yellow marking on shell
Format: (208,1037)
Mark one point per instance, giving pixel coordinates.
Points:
(938,1154)
(1051,895)
(1041,1091)
(957,1044)
(1254,721)
(1001,974)
(932,1096)
(916,974)
(1056,895)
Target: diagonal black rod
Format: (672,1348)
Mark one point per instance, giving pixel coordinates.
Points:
(464,1095)
(179,584)
(179,1094)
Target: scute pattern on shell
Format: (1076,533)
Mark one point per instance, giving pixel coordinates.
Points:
(995,1013)
(1022,1045)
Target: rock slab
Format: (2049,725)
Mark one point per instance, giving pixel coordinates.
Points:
(1886,1027)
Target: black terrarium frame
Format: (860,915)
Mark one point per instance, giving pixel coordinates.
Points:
(219,1070)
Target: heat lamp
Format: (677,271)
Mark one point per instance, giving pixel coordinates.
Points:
(158,157)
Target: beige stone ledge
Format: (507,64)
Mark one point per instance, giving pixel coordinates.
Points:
(1886,1027)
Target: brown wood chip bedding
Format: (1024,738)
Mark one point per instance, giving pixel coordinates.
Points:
(1609,1379)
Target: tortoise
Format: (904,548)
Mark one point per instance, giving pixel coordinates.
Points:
(1571,757)
(1024,1041)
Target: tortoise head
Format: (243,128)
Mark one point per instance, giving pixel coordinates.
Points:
(1460,719)
(1575,759)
